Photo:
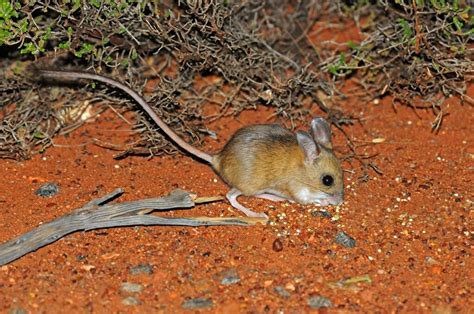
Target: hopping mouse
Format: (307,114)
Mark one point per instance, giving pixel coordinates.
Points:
(264,160)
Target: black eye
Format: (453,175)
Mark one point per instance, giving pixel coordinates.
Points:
(328,180)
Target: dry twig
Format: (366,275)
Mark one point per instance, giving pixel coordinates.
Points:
(97,214)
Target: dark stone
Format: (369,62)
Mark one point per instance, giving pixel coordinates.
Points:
(317,302)
(282,292)
(322,214)
(345,240)
(198,303)
(131,301)
(47,190)
(146,269)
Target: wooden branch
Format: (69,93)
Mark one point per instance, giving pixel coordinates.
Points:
(97,214)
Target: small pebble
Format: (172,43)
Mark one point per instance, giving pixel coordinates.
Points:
(290,286)
(277,246)
(430,261)
(229,276)
(345,240)
(17,310)
(317,302)
(131,287)
(47,190)
(322,214)
(198,303)
(230,280)
(80,257)
(282,292)
(130,301)
(146,269)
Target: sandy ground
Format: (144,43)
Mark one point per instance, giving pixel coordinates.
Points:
(412,226)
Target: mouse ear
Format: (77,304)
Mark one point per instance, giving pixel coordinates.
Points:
(310,148)
(321,132)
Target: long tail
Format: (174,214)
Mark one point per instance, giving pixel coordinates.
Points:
(73,75)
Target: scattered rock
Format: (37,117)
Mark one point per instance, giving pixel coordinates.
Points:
(80,257)
(426,185)
(277,245)
(322,214)
(290,286)
(17,310)
(345,240)
(198,303)
(130,301)
(229,277)
(146,269)
(317,302)
(282,292)
(230,280)
(131,287)
(47,190)
(430,261)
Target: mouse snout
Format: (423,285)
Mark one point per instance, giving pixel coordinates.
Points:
(336,199)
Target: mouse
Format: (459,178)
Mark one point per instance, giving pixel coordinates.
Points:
(264,160)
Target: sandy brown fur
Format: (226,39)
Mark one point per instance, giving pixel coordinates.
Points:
(259,157)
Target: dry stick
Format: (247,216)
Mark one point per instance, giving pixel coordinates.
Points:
(95,215)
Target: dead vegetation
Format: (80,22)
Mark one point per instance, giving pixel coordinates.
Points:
(418,52)
(242,54)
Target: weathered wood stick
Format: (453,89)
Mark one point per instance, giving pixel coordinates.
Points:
(96,214)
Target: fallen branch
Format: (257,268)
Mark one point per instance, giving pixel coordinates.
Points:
(97,214)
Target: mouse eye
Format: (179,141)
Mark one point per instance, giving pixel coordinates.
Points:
(328,180)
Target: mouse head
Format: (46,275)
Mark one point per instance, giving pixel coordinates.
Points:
(323,179)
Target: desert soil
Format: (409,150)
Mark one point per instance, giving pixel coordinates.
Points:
(412,226)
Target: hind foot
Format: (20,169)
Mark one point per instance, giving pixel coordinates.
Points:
(232,197)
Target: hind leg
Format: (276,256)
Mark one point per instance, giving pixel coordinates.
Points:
(232,197)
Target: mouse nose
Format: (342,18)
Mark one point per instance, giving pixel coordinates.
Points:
(336,199)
